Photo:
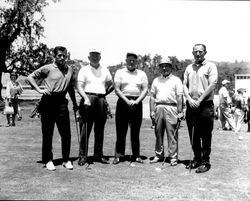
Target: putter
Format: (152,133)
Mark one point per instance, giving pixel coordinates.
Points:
(77,130)
(175,131)
(86,144)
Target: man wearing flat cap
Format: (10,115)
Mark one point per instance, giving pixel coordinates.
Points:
(166,109)
(226,117)
(94,82)
(131,86)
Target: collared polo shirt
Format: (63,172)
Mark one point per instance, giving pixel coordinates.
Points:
(198,78)
(94,79)
(130,82)
(165,90)
(55,81)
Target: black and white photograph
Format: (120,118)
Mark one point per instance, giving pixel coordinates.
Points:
(129,100)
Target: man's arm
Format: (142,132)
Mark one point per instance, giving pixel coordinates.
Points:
(152,106)
(32,82)
(80,87)
(72,95)
(109,87)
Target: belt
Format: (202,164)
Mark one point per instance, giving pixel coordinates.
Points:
(95,94)
(163,103)
(132,97)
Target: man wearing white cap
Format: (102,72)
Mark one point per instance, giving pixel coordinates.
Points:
(226,117)
(94,82)
(165,109)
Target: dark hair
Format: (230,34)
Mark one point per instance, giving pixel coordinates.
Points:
(204,46)
(59,48)
(129,54)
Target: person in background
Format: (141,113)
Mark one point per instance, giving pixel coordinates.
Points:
(166,110)
(94,83)
(58,79)
(13,90)
(200,80)
(240,109)
(225,104)
(131,87)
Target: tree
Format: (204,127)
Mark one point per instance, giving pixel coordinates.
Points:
(20,29)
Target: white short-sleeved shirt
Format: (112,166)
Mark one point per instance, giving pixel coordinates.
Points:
(94,79)
(165,90)
(130,82)
(197,79)
(224,97)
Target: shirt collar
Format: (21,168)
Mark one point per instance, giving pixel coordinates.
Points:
(199,65)
(170,75)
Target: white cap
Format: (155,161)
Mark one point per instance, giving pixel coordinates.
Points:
(165,60)
(225,82)
(95,50)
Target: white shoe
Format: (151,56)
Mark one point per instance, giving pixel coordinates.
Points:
(240,138)
(50,166)
(68,165)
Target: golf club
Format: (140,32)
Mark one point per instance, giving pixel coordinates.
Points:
(190,155)
(175,131)
(130,147)
(77,130)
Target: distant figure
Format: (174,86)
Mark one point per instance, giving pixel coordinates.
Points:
(13,90)
(226,117)
(240,109)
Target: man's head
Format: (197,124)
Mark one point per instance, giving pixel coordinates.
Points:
(94,57)
(60,54)
(131,61)
(225,83)
(199,52)
(13,75)
(166,67)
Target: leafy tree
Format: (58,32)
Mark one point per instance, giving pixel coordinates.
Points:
(20,29)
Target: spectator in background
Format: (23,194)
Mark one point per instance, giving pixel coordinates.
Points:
(240,109)
(225,104)
(13,90)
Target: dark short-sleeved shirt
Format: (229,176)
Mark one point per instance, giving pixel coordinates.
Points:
(54,79)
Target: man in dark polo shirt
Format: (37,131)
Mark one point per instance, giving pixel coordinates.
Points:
(58,79)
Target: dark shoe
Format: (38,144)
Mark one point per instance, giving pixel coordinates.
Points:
(82,161)
(102,160)
(116,160)
(155,160)
(194,164)
(224,129)
(203,168)
(138,160)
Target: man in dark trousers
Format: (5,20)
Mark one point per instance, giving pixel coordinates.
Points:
(131,86)
(58,79)
(94,82)
(200,79)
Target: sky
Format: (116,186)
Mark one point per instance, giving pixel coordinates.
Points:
(167,28)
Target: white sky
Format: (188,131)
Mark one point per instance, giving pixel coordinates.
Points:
(168,28)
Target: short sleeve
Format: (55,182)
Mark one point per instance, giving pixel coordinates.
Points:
(213,74)
(81,76)
(117,78)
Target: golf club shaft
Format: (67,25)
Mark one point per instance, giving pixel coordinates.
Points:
(77,130)
(190,155)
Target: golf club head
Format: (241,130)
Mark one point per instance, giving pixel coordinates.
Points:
(158,169)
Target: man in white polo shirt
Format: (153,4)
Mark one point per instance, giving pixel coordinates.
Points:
(131,86)
(94,82)
(166,110)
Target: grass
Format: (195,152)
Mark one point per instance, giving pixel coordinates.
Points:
(23,176)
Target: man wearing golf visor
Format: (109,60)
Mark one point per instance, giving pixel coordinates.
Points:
(166,110)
